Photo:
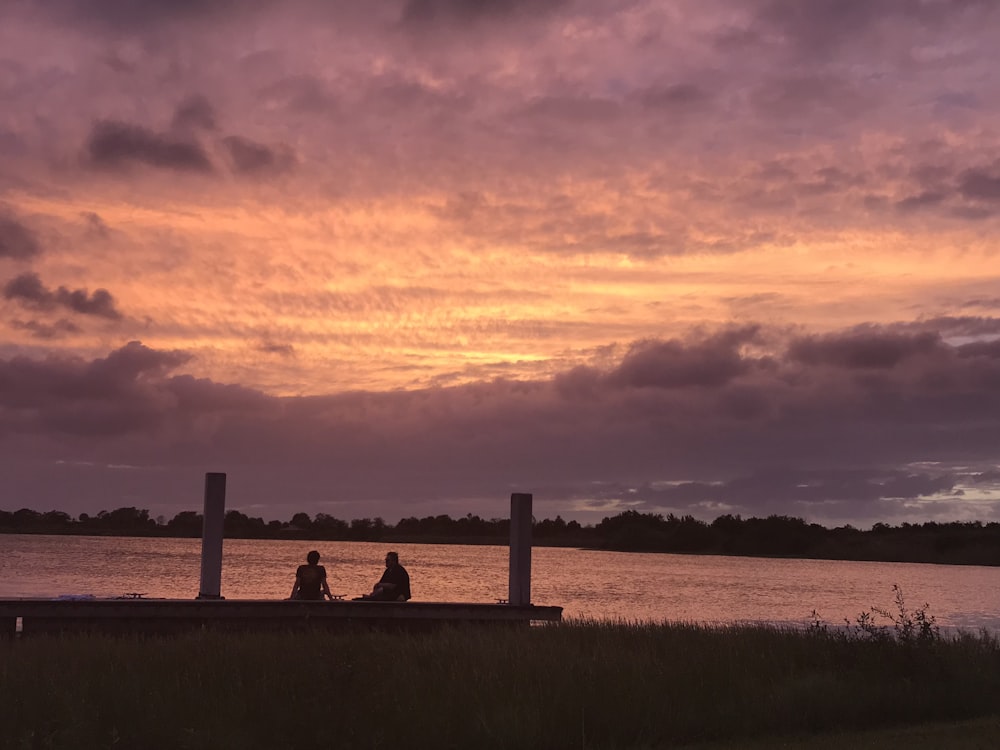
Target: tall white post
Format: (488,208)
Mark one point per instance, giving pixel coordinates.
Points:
(211,536)
(520,549)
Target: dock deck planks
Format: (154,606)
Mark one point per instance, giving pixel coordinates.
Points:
(157,616)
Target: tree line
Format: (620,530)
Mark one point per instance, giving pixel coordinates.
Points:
(630,531)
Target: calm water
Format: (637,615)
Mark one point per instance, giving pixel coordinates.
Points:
(605,585)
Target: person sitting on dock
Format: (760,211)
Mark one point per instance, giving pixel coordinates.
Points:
(394,586)
(310,580)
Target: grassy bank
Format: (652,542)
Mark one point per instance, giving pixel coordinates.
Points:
(576,685)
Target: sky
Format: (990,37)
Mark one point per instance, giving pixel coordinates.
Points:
(408,257)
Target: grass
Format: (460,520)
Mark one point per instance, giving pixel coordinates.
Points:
(575,685)
(977,734)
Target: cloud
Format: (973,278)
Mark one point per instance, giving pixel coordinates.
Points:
(249,157)
(675,364)
(787,489)
(678,97)
(990,349)
(465,11)
(114,144)
(96,226)
(697,423)
(818,27)
(47,331)
(194,113)
(864,349)
(976,326)
(16,240)
(536,181)
(150,14)
(118,394)
(284,350)
(29,290)
(979,184)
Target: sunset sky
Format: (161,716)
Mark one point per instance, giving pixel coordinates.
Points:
(407,257)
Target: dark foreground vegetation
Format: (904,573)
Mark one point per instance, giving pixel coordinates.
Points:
(575,685)
(969,543)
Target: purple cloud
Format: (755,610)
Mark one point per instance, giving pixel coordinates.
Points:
(674,364)
(194,113)
(29,290)
(56,330)
(721,426)
(114,144)
(978,184)
(16,240)
(249,157)
(864,349)
(431,11)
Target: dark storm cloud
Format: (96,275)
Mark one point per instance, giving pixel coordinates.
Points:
(113,144)
(29,290)
(16,240)
(249,157)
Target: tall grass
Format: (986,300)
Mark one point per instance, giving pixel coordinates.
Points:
(575,685)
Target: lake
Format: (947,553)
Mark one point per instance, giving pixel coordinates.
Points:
(586,583)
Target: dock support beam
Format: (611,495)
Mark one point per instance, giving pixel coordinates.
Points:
(211,536)
(520,549)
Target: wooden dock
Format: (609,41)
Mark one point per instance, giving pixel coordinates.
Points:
(166,616)
(131,614)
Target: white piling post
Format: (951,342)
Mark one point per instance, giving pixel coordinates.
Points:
(211,536)
(520,549)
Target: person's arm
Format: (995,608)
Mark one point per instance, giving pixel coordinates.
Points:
(404,587)
(383,583)
(295,586)
(326,589)
(393,582)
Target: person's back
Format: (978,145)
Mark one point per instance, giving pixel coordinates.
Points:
(310,580)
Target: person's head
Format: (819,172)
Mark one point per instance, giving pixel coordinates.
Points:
(313,557)
(391,559)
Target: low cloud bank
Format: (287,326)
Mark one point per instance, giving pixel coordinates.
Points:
(880,423)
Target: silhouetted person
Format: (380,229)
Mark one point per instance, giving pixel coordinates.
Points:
(310,580)
(394,586)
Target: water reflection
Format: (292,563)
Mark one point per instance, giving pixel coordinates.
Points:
(592,584)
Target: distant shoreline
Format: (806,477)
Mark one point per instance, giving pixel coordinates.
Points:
(972,554)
